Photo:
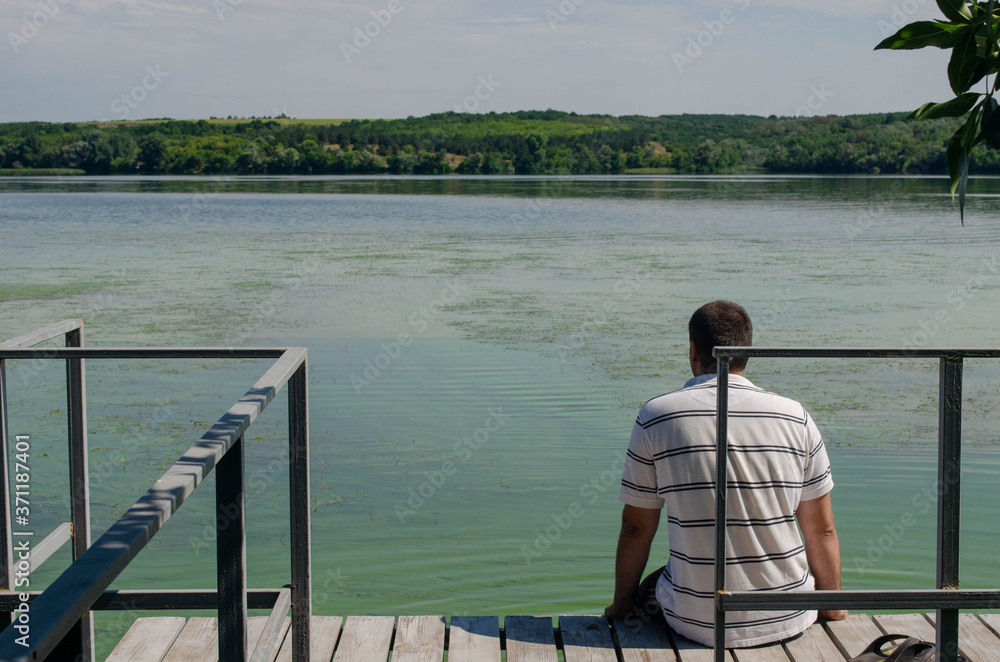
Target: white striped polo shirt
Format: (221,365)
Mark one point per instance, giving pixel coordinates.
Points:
(776,459)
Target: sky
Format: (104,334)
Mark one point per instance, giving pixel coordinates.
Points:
(79,60)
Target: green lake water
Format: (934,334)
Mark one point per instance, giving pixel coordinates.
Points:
(478,349)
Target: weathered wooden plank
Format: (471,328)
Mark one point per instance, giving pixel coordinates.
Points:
(775,653)
(474,639)
(644,641)
(689,651)
(49,546)
(530,639)
(814,645)
(279,634)
(41,335)
(976,641)
(199,640)
(323,635)
(992,622)
(255,628)
(913,625)
(365,639)
(419,639)
(853,634)
(148,640)
(587,639)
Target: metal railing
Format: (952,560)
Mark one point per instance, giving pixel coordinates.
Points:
(57,621)
(948,598)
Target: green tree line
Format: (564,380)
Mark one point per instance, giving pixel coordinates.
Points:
(526,142)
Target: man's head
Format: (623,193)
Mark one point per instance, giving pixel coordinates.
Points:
(718,324)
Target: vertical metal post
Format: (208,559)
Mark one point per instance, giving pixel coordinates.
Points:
(231,554)
(80,640)
(949,500)
(721,471)
(298,476)
(6,565)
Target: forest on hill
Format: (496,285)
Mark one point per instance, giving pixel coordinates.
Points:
(526,142)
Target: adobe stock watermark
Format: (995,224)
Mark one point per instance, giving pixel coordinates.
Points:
(48,9)
(956,299)
(600,316)
(267,308)
(103,467)
(201,199)
(816,100)
(462,452)
(103,300)
(562,521)
(922,502)
(901,14)
(535,208)
(562,12)
(769,314)
(365,35)
(334,581)
(714,28)
(257,482)
(419,321)
(884,204)
(126,103)
(223,7)
(487,86)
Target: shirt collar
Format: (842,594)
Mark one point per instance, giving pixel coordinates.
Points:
(711,376)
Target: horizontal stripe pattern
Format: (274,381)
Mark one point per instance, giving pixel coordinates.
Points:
(776,459)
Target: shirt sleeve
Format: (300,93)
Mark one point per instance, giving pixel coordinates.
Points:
(639,475)
(817,478)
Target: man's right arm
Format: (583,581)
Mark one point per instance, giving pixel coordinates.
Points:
(634,541)
(822,547)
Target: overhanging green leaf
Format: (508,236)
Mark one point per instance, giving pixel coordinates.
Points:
(955,10)
(990,131)
(922,34)
(954,108)
(964,63)
(958,158)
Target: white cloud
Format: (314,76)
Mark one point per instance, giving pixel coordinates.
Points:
(612,56)
(852,7)
(501,20)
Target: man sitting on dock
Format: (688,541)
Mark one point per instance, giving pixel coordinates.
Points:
(778,472)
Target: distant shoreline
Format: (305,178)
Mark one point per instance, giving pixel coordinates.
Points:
(522,143)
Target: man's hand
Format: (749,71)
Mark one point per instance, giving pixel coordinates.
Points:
(618,610)
(834,615)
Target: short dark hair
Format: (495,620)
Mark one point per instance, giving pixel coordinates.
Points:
(720,324)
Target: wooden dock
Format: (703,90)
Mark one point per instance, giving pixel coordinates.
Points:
(534,639)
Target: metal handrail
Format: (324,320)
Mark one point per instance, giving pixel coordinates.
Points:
(82,587)
(81,641)
(948,599)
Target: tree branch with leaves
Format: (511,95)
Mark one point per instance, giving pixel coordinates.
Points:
(972,32)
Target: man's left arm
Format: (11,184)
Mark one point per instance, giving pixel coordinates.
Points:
(822,547)
(639,527)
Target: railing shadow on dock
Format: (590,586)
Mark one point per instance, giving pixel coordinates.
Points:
(56,623)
